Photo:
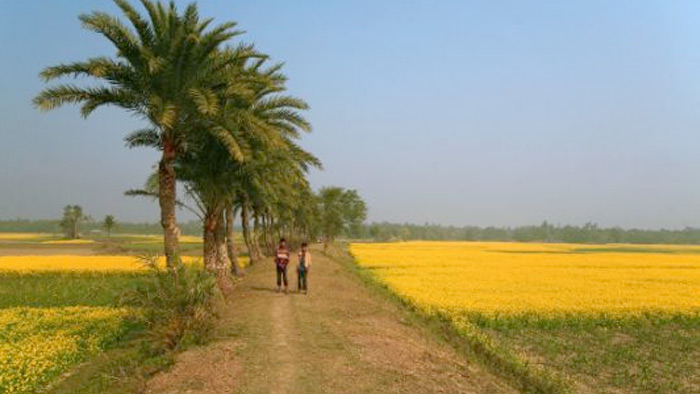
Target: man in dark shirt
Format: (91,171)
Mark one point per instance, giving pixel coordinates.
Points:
(282,257)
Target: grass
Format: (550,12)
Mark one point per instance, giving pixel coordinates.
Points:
(645,354)
(57,289)
(154,247)
(121,370)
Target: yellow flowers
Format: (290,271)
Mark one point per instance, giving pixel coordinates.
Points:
(36,344)
(154,239)
(69,242)
(22,236)
(74,263)
(243,261)
(519,278)
(38,341)
(189,239)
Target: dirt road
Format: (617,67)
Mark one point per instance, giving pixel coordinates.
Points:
(340,338)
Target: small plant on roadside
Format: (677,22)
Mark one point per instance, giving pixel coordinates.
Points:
(177,304)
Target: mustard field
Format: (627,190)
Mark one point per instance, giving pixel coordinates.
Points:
(24,236)
(512,278)
(58,309)
(37,344)
(599,317)
(73,263)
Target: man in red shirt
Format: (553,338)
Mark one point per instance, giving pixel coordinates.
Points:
(282,257)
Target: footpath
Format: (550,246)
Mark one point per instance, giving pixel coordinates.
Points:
(339,338)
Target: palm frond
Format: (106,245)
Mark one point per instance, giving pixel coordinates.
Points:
(144,137)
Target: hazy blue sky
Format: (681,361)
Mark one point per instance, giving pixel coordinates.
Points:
(453,112)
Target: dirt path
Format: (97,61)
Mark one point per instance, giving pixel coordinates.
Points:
(284,330)
(339,338)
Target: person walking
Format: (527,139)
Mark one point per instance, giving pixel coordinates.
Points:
(282,258)
(303,268)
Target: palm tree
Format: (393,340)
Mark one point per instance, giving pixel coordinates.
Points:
(262,124)
(161,72)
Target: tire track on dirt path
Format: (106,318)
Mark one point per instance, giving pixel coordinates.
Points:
(283,347)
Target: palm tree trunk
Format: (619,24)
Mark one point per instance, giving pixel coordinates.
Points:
(266,236)
(216,256)
(223,259)
(232,255)
(245,223)
(270,235)
(166,198)
(256,236)
(209,251)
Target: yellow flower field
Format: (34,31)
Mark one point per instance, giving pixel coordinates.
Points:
(69,242)
(154,238)
(39,343)
(497,279)
(23,236)
(75,263)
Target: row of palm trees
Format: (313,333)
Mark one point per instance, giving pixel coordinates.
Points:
(218,114)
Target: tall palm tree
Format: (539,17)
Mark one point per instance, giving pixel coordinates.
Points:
(160,72)
(244,102)
(263,123)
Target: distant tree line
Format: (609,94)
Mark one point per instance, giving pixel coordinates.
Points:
(327,214)
(91,227)
(546,232)
(345,220)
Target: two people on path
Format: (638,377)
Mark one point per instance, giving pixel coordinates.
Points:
(282,259)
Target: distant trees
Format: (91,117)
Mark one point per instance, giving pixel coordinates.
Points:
(340,211)
(546,232)
(108,224)
(354,213)
(191,227)
(73,217)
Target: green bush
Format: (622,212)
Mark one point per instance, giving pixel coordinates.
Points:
(178,305)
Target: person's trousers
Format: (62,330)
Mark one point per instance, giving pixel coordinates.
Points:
(281,275)
(302,279)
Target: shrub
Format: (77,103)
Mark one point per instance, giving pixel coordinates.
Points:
(178,305)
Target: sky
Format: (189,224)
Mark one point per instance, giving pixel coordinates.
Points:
(453,112)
